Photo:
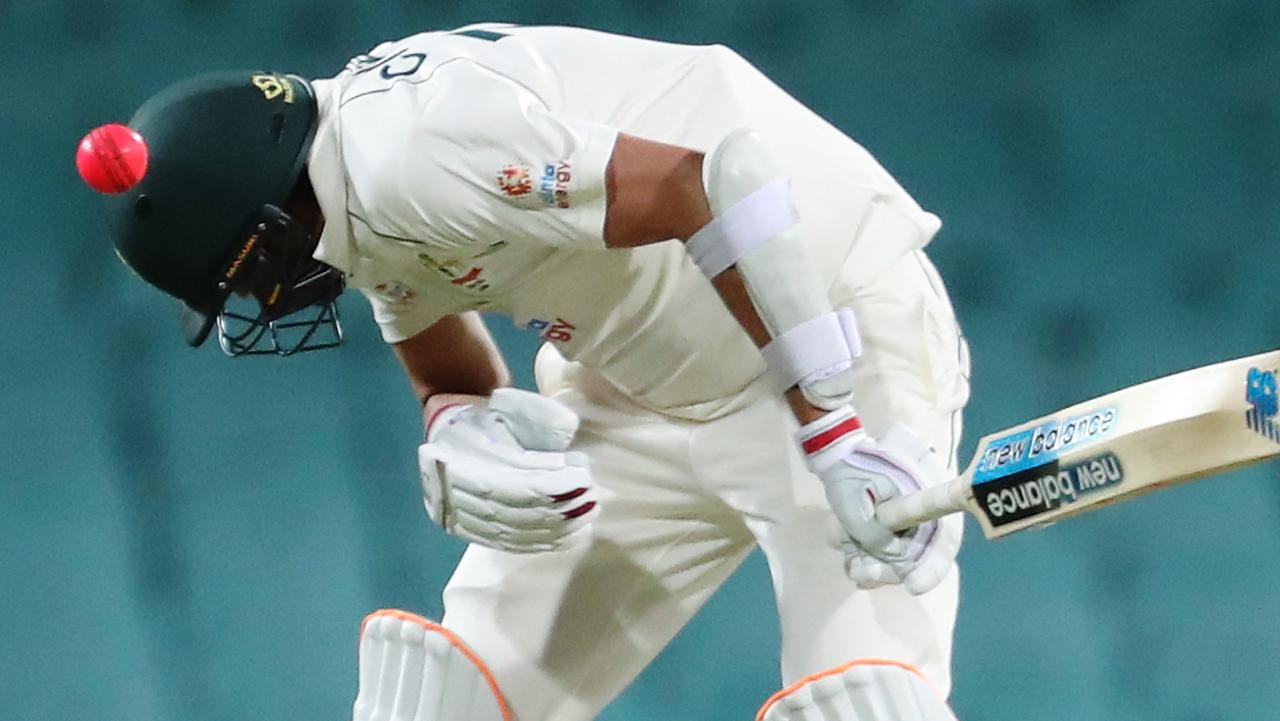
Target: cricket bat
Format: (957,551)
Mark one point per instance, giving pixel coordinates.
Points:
(1139,439)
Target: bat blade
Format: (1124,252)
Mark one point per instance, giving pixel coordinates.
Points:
(1133,441)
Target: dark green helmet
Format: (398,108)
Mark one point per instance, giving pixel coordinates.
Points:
(222,148)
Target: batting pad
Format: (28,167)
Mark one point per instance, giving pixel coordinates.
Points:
(864,690)
(411,669)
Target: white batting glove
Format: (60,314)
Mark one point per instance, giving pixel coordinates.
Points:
(859,472)
(501,475)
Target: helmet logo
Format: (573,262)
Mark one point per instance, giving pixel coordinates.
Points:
(239,261)
(273,86)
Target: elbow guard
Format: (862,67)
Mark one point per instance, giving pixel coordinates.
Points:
(755,228)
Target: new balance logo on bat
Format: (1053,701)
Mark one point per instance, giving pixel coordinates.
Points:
(1033,447)
(1041,489)
(1260,391)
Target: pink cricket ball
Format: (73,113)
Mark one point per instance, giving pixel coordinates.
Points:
(112,158)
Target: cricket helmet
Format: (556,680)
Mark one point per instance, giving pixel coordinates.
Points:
(225,151)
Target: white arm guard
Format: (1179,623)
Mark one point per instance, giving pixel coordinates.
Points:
(754,228)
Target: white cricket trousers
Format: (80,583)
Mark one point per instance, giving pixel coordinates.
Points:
(683,502)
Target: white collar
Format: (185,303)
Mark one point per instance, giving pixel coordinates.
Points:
(336,247)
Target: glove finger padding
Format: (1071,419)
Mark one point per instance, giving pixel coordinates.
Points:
(516,487)
(867,571)
(938,557)
(875,471)
(536,422)
(933,545)
(483,481)
(918,575)
(525,512)
(498,532)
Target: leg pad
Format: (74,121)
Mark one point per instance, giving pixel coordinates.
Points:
(864,690)
(412,669)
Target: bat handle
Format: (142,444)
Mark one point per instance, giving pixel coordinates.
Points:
(904,512)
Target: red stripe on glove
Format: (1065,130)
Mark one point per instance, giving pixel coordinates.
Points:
(582,510)
(568,495)
(431,421)
(831,435)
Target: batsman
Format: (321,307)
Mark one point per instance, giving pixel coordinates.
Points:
(745,345)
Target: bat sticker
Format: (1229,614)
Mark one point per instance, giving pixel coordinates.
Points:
(1034,447)
(1260,392)
(1036,490)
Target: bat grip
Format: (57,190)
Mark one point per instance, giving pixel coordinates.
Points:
(904,512)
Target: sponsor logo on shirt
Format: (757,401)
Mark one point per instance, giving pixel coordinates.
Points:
(557,331)
(553,188)
(395,292)
(471,276)
(459,273)
(514,181)
(492,248)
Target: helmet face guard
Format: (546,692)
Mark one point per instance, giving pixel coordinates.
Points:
(273,297)
(242,335)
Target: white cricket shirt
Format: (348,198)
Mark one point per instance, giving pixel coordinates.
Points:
(464,170)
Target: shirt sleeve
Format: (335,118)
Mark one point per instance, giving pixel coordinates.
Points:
(400,319)
(485,159)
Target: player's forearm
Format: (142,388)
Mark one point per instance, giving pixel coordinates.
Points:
(456,356)
(733,291)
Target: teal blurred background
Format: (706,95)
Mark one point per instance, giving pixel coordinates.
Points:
(186,537)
